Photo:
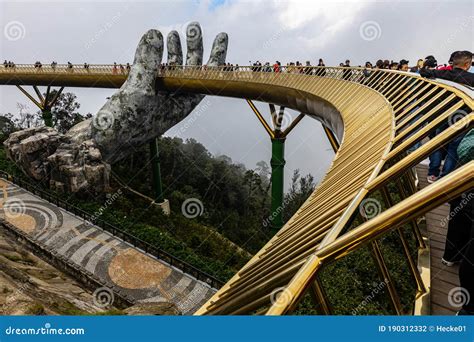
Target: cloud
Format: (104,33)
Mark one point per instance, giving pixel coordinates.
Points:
(107,32)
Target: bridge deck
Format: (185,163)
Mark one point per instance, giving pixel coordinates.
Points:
(443,278)
(115,263)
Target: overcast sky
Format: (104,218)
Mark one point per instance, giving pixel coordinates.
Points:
(108,31)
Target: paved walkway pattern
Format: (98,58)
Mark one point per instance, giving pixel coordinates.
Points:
(118,264)
(444,280)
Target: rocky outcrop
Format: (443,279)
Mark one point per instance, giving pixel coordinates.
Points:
(80,159)
(30,286)
(159,309)
(30,149)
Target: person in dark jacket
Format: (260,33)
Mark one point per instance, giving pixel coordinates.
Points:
(347,73)
(460,237)
(461,63)
(450,63)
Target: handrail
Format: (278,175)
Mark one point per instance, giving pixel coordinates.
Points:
(117,232)
(115,71)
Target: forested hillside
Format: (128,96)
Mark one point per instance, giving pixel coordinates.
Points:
(233,221)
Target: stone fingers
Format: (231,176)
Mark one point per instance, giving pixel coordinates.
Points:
(175,52)
(194,43)
(147,61)
(219,50)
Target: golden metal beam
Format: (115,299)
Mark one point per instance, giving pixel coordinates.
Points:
(31,98)
(387,278)
(261,119)
(274,116)
(424,151)
(46,98)
(40,96)
(320,297)
(332,139)
(56,97)
(292,125)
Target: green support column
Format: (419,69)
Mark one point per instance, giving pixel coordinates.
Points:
(155,164)
(278,164)
(47,117)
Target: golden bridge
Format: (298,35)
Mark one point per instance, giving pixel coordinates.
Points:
(372,118)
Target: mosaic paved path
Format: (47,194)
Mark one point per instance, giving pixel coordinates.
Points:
(116,263)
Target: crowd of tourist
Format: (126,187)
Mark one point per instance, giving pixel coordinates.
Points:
(459,246)
(427,67)
(8,64)
(38,65)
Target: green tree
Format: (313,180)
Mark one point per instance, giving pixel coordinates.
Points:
(25,118)
(7,126)
(301,188)
(64,113)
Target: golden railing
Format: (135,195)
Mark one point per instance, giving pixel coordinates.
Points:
(382,113)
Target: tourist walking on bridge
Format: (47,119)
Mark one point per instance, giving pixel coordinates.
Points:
(417,67)
(277,67)
(459,73)
(461,63)
(403,65)
(347,73)
(321,71)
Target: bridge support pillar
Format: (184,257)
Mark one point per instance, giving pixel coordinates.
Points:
(44,103)
(47,117)
(156,175)
(278,137)
(278,169)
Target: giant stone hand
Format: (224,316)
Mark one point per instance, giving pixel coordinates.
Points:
(80,159)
